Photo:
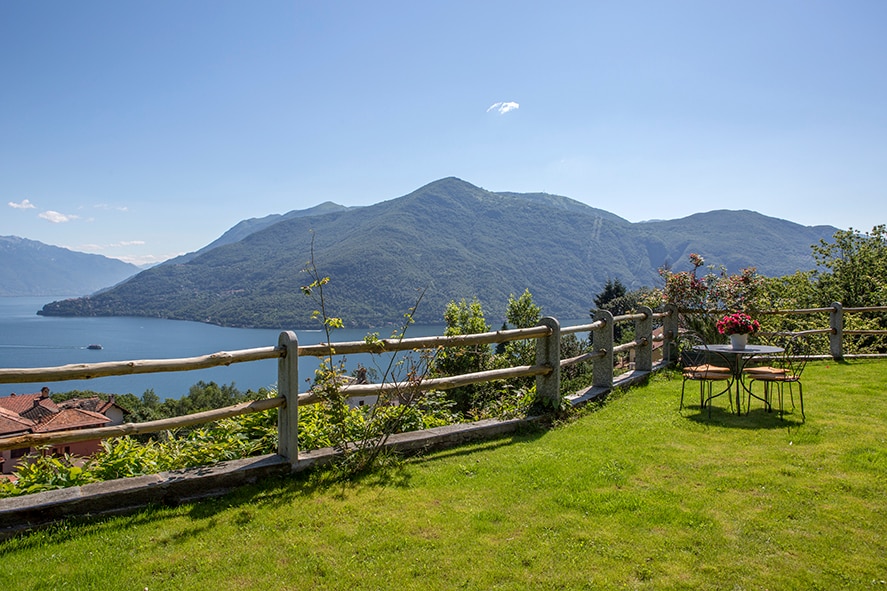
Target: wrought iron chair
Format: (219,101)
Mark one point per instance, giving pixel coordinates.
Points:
(786,370)
(700,364)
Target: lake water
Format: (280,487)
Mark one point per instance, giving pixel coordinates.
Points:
(28,340)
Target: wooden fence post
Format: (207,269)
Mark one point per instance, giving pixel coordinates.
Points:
(288,387)
(602,340)
(548,352)
(643,332)
(670,334)
(836,337)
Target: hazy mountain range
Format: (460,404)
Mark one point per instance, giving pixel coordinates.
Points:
(450,238)
(29,267)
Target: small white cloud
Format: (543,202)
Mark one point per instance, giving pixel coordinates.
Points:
(148,260)
(101,247)
(107,207)
(56,217)
(503,108)
(25,204)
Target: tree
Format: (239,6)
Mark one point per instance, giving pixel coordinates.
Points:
(796,291)
(613,290)
(522,312)
(614,298)
(573,346)
(202,396)
(709,296)
(465,318)
(857,267)
(740,292)
(856,277)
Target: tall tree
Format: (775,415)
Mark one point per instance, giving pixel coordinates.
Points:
(522,312)
(465,317)
(857,267)
(612,298)
(613,290)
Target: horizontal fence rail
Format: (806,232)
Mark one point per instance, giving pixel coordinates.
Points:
(424,343)
(546,370)
(87,371)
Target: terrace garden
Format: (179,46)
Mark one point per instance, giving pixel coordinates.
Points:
(629,493)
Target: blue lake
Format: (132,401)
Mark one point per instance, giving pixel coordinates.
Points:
(29,340)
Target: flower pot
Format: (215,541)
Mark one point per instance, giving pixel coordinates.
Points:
(738,341)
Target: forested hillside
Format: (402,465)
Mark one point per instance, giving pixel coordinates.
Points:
(454,240)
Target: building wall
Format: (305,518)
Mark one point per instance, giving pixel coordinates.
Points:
(115,414)
(9,462)
(81,448)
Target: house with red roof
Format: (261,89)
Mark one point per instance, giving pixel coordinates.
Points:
(21,414)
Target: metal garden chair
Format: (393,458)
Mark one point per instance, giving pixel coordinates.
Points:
(700,364)
(786,370)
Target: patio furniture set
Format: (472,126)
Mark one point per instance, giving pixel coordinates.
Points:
(736,369)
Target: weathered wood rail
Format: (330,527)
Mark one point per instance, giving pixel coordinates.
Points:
(546,370)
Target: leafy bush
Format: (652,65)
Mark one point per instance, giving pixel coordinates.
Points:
(47,473)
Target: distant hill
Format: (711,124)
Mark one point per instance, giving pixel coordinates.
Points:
(31,268)
(243,229)
(739,239)
(458,241)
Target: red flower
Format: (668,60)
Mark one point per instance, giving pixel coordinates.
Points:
(738,323)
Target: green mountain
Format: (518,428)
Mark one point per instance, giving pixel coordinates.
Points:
(453,240)
(31,268)
(243,229)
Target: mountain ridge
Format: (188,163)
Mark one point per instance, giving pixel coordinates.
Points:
(33,268)
(454,240)
(244,228)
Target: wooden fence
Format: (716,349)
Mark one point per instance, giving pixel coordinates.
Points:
(835,331)
(546,369)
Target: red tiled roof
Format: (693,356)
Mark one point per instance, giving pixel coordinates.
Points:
(42,409)
(90,403)
(108,404)
(19,403)
(93,403)
(13,424)
(72,418)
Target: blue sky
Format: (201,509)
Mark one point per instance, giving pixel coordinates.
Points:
(145,129)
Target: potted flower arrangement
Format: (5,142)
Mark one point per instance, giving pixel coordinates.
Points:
(738,326)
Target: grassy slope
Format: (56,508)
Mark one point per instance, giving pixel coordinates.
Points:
(635,495)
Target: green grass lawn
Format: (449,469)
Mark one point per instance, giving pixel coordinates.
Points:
(634,495)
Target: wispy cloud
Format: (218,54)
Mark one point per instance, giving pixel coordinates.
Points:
(56,217)
(503,108)
(144,261)
(147,260)
(102,247)
(24,204)
(107,207)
